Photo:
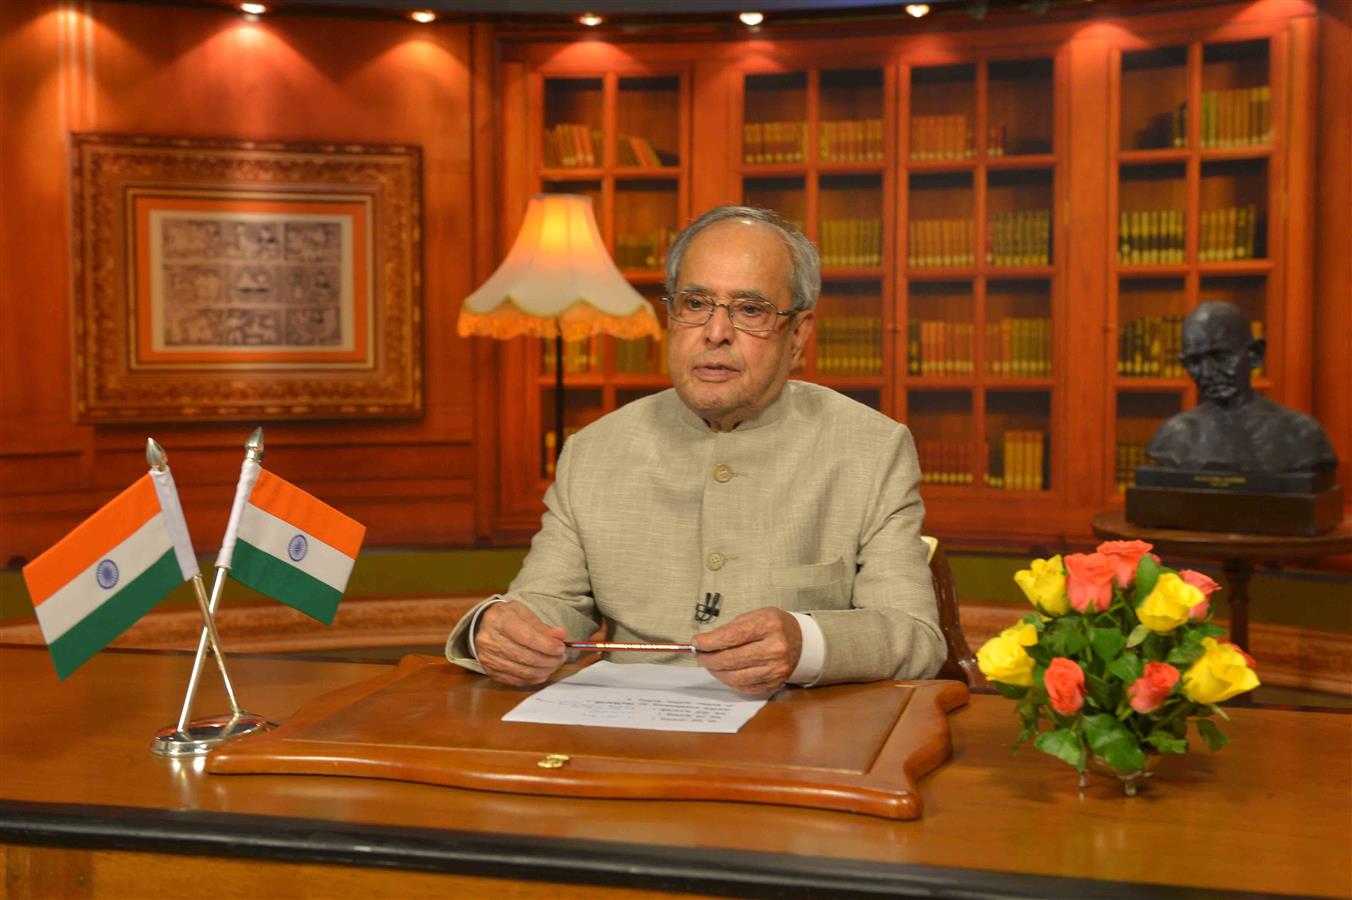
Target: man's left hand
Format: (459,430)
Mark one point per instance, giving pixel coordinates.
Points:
(755,653)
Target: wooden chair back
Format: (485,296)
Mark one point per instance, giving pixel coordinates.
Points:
(960,665)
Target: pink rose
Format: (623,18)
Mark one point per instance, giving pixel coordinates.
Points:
(1089,581)
(1124,556)
(1065,686)
(1203,584)
(1149,692)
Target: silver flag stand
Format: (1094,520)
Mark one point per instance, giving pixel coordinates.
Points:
(199,736)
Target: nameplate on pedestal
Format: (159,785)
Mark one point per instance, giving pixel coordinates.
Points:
(1250,482)
(1235,511)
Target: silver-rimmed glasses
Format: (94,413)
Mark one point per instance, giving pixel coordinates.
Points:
(746,314)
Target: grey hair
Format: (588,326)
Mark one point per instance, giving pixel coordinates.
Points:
(805,276)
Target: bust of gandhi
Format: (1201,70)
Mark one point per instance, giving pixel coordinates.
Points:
(1232,428)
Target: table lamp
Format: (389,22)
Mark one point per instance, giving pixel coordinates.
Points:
(558,282)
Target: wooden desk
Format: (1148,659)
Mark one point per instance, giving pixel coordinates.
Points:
(1238,554)
(86,810)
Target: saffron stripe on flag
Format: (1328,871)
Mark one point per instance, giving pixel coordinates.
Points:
(278,578)
(98,629)
(306,513)
(118,520)
(82,594)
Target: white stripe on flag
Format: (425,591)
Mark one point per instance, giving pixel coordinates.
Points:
(174,521)
(80,596)
(273,536)
(248,475)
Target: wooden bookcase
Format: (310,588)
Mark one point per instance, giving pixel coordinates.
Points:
(1012,222)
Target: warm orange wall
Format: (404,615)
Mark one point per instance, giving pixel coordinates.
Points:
(108,67)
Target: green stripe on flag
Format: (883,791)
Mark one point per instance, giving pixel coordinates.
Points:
(115,615)
(282,581)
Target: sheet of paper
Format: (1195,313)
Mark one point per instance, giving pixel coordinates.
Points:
(639,695)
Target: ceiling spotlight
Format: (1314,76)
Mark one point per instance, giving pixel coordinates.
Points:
(916,10)
(252,9)
(751,19)
(423,16)
(591,20)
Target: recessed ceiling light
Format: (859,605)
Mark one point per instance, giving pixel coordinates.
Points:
(591,20)
(917,9)
(751,19)
(252,9)
(423,16)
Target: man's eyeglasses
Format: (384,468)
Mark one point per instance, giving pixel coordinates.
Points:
(693,308)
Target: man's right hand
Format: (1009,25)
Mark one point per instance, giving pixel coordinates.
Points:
(515,647)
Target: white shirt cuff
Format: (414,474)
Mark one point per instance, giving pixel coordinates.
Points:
(474,622)
(813,656)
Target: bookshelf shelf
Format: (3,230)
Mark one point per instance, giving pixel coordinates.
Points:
(1012,230)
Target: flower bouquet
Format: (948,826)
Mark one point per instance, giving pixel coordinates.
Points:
(1119,658)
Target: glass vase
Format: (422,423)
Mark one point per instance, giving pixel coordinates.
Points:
(1132,782)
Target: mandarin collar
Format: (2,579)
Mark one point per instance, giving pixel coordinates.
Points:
(767,416)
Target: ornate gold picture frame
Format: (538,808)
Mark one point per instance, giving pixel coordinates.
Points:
(227,280)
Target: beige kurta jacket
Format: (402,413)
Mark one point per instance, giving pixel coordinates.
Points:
(813,506)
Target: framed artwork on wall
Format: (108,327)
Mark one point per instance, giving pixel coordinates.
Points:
(221,280)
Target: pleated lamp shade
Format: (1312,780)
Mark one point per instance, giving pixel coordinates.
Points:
(558,276)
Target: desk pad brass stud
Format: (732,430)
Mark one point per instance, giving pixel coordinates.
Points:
(553,761)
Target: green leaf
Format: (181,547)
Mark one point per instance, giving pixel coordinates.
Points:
(1127,668)
(1210,630)
(1147,573)
(1075,642)
(1040,654)
(1100,691)
(1186,654)
(1032,618)
(1064,744)
(1165,742)
(1138,634)
(1107,642)
(1011,691)
(1113,741)
(1211,734)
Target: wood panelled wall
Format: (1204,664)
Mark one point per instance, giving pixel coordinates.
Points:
(133,69)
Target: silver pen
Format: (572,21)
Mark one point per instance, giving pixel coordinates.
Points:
(626,645)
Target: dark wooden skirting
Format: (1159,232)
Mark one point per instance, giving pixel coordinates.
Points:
(1301,658)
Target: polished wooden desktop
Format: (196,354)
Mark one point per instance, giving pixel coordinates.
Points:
(87,810)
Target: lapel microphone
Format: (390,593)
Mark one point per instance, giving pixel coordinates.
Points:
(709,609)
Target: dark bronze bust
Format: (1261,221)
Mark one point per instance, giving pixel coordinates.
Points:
(1232,428)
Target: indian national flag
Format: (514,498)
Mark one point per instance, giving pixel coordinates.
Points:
(289,545)
(107,573)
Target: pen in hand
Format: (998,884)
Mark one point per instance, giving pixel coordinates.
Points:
(607,646)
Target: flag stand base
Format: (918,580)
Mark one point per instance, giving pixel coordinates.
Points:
(201,736)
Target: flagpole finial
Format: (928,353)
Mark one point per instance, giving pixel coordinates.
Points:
(253,447)
(155,455)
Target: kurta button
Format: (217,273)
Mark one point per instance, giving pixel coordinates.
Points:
(722,473)
(715,561)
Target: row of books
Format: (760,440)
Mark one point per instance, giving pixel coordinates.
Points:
(579,357)
(1150,237)
(1129,456)
(1238,117)
(858,140)
(937,347)
(1020,238)
(945,462)
(1227,233)
(643,251)
(642,356)
(1148,347)
(570,145)
(940,243)
(941,137)
(1019,346)
(774,142)
(851,242)
(1017,461)
(849,345)
(632,150)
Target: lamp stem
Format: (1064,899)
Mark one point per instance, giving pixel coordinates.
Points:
(558,395)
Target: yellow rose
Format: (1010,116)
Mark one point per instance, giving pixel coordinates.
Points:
(1220,674)
(1003,658)
(1168,605)
(1045,586)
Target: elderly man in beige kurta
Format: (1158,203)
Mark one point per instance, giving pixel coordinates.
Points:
(796,505)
